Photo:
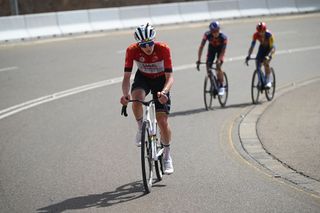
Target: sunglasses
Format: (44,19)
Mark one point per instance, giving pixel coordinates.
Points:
(144,45)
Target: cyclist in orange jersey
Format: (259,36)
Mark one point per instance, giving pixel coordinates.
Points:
(266,49)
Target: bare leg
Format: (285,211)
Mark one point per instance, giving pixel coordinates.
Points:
(137,109)
(162,119)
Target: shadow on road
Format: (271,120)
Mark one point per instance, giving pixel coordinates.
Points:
(122,194)
(201,110)
(187,112)
(242,105)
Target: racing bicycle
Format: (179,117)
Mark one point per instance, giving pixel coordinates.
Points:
(211,87)
(258,83)
(151,147)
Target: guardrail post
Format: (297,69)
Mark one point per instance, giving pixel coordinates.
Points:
(14,7)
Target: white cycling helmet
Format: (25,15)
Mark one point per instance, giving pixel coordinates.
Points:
(144,33)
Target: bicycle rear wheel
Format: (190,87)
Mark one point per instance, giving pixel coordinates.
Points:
(146,161)
(223,98)
(270,92)
(255,87)
(158,164)
(207,93)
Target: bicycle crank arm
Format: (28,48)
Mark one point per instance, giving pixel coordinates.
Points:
(159,153)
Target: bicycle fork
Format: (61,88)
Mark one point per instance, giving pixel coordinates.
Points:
(155,154)
(261,75)
(153,133)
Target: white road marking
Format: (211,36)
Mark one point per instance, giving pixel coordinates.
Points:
(286,33)
(8,69)
(35,102)
(302,49)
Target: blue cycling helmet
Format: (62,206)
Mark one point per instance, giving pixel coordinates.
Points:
(214,26)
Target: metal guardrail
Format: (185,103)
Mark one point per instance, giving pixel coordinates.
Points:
(36,26)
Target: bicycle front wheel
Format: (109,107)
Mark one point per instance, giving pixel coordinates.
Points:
(146,161)
(223,98)
(207,93)
(270,92)
(255,87)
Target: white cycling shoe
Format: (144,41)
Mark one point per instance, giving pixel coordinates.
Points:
(221,91)
(167,166)
(268,85)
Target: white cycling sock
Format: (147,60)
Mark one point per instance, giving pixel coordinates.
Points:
(166,152)
(139,122)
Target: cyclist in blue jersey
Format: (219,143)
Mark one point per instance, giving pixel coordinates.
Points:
(217,44)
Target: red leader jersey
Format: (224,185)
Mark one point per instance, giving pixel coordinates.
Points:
(151,66)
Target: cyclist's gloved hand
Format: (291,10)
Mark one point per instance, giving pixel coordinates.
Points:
(247,60)
(198,65)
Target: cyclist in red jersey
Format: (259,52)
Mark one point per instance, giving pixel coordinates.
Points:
(266,49)
(216,48)
(154,75)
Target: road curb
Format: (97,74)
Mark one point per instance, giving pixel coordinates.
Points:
(252,149)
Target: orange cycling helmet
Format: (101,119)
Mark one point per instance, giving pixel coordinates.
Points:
(261,27)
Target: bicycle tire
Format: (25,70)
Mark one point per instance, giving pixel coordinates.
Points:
(158,164)
(255,87)
(207,93)
(270,92)
(223,98)
(159,167)
(146,161)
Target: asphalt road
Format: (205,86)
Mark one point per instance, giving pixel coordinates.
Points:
(294,136)
(75,152)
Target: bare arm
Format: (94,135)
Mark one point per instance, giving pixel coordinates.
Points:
(125,88)
(169,82)
(200,52)
(253,43)
(163,98)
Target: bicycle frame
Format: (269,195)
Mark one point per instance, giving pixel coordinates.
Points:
(213,76)
(151,150)
(149,117)
(261,75)
(211,89)
(260,84)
